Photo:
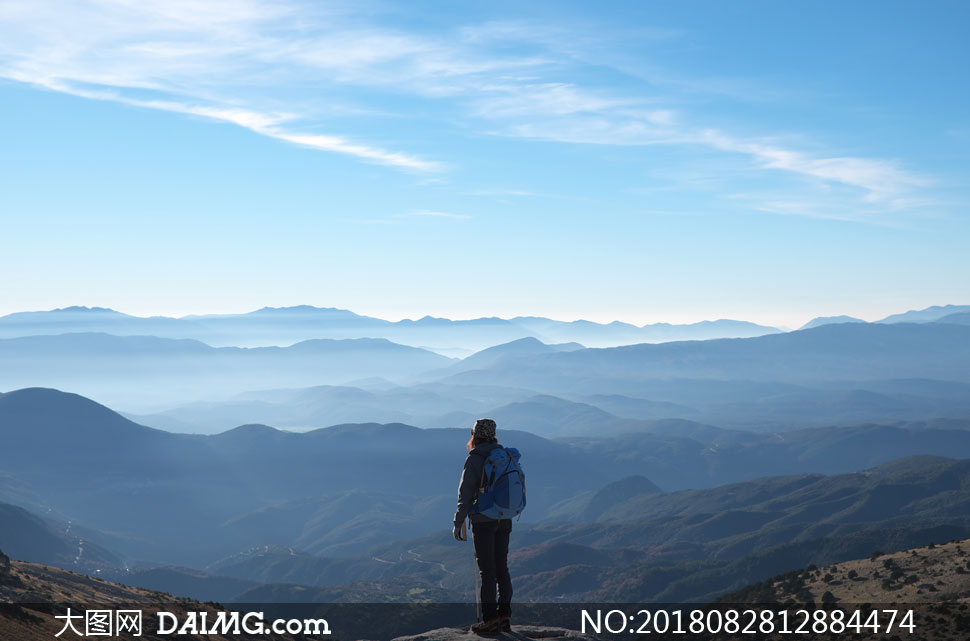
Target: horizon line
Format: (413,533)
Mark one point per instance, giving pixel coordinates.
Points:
(197,315)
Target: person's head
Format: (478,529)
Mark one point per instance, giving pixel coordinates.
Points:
(483,432)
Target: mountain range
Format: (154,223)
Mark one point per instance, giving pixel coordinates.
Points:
(287,325)
(836,373)
(695,545)
(841,352)
(666,471)
(745,406)
(334,491)
(146,369)
(647,546)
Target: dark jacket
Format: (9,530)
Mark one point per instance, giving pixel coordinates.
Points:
(471,480)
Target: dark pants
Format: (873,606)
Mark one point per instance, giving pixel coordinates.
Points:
(492,553)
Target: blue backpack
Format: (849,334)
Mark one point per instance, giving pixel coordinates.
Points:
(501,494)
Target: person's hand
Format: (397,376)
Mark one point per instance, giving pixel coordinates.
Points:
(458,536)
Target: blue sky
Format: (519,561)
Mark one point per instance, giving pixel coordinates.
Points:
(657,161)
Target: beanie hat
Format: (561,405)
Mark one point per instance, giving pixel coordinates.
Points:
(485,429)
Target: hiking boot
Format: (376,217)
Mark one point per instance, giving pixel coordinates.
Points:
(506,624)
(489,628)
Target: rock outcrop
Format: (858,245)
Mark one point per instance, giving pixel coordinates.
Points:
(518,633)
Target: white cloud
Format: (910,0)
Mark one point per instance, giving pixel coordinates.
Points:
(881,180)
(264,65)
(193,54)
(543,100)
(878,180)
(339,145)
(266,124)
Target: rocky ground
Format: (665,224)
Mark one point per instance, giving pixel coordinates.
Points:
(518,633)
(33,595)
(933,581)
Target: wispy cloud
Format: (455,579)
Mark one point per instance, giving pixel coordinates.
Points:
(340,145)
(877,180)
(197,57)
(263,65)
(263,123)
(881,180)
(543,99)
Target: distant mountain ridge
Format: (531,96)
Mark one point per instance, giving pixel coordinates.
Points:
(280,326)
(287,325)
(522,347)
(927,315)
(815,373)
(830,320)
(838,352)
(128,368)
(752,406)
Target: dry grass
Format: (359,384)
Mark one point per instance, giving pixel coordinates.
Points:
(921,575)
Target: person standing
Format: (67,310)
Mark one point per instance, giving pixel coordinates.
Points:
(491,534)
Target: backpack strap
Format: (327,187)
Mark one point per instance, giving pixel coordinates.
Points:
(485,457)
(481,483)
